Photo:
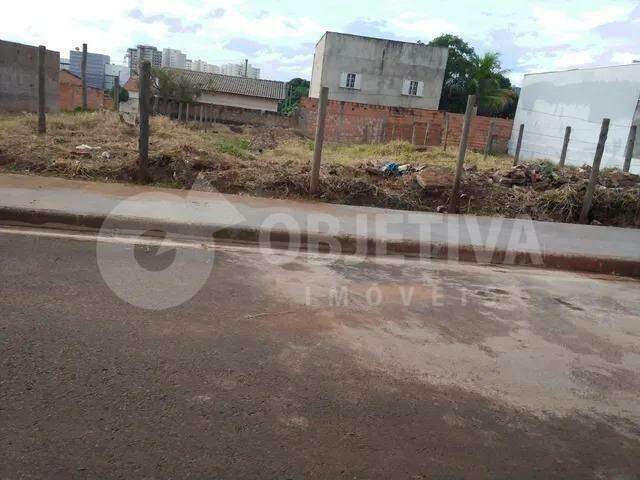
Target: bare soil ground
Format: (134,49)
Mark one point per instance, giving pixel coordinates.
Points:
(275,162)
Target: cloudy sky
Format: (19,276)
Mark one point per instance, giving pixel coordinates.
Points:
(279,36)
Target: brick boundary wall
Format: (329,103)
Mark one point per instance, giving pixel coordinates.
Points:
(349,122)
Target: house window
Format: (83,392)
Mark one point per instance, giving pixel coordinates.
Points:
(350,80)
(412,88)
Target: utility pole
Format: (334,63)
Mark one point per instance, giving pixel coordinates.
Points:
(83,72)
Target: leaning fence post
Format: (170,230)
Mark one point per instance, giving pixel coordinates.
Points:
(593,178)
(628,151)
(519,144)
(565,146)
(426,134)
(83,73)
(42,95)
(489,141)
(413,134)
(116,93)
(453,200)
(446,132)
(317,150)
(143,106)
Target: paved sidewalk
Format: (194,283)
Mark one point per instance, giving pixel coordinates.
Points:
(49,201)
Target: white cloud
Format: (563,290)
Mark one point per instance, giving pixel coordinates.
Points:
(625,57)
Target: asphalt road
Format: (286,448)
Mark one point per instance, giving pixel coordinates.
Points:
(351,369)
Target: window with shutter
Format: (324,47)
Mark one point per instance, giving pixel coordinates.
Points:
(350,80)
(413,88)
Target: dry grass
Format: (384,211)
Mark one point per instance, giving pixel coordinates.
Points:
(275,162)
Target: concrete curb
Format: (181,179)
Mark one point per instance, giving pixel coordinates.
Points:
(279,238)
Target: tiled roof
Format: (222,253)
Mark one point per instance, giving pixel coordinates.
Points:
(215,82)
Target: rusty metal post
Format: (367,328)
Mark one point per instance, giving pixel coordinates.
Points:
(593,179)
(317,150)
(464,138)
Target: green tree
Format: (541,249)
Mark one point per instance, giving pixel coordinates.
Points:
(296,89)
(486,82)
(467,73)
(171,85)
(458,72)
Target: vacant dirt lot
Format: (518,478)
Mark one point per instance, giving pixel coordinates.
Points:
(275,162)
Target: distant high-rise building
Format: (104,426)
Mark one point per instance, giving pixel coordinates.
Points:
(95,67)
(142,53)
(172,58)
(202,66)
(244,69)
(111,71)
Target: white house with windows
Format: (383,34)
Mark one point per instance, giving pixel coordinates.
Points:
(376,71)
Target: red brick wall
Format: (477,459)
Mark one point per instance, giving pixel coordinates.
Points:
(70,94)
(357,123)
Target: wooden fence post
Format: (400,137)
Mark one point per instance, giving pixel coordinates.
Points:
(565,146)
(143,106)
(413,134)
(317,150)
(519,144)
(186,115)
(593,179)
(426,134)
(393,132)
(116,93)
(628,152)
(155,104)
(179,111)
(83,73)
(42,94)
(446,132)
(464,138)
(487,146)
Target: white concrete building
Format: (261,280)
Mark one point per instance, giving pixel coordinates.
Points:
(376,71)
(238,70)
(549,102)
(172,58)
(202,66)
